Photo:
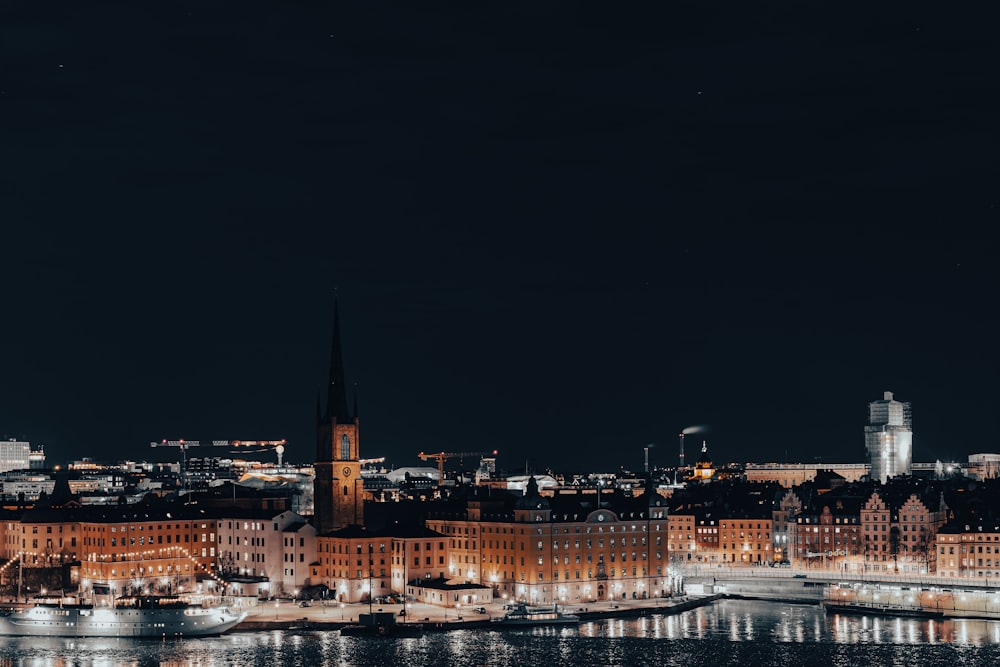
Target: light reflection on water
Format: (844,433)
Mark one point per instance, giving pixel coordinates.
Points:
(729,632)
(739,620)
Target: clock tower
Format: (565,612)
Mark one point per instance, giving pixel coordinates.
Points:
(338,492)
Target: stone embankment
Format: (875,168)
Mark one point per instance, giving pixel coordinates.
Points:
(289,616)
(889,596)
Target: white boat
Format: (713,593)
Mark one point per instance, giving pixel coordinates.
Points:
(147,616)
(522,614)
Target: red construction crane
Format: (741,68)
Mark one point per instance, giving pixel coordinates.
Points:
(441,456)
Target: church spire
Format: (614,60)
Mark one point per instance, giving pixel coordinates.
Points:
(336,399)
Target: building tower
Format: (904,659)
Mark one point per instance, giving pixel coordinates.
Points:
(889,438)
(338,488)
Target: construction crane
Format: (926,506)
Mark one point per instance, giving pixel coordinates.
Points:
(261,446)
(183,445)
(441,456)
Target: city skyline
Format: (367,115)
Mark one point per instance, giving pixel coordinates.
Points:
(556,232)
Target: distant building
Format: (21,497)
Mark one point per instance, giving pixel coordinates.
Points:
(36,459)
(297,481)
(487,469)
(793,474)
(25,487)
(984,466)
(14,455)
(704,470)
(889,438)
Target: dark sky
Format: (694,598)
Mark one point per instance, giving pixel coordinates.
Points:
(563,230)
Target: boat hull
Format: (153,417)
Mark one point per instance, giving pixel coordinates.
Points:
(524,616)
(880,610)
(84,621)
(521,623)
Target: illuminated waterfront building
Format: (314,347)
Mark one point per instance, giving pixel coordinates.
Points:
(356,564)
(969,549)
(129,550)
(746,540)
(900,530)
(266,556)
(826,535)
(681,543)
(570,547)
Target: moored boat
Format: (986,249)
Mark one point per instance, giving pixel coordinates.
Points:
(146,616)
(380,624)
(523,615)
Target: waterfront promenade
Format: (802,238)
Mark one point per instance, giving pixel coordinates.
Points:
(881,594)
(710,581)
(701,573)
(285,614)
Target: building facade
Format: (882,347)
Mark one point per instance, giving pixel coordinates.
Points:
(267,556)
(356,564)
(14,455)
(969,551)
(573,552)
(889,438)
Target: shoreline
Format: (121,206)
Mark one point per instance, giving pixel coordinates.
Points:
(437,619)
(289,616)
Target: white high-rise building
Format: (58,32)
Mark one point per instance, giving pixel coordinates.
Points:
(14,455)
(889,438)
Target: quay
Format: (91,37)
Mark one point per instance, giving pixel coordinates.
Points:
(885,595)
(930,597)
(288,615)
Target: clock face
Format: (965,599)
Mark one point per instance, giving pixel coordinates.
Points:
(347,471)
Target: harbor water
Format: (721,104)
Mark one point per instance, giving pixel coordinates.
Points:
(728,632)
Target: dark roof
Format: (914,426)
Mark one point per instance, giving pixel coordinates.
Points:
(404,530)
(295,527)
(441,583)
(151,509)
(532,499)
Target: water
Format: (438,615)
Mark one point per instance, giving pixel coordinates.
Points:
(731,632)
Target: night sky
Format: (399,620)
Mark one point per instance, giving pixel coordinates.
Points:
(562,230)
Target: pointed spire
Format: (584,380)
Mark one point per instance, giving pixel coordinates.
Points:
(356,413)
(336,399)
